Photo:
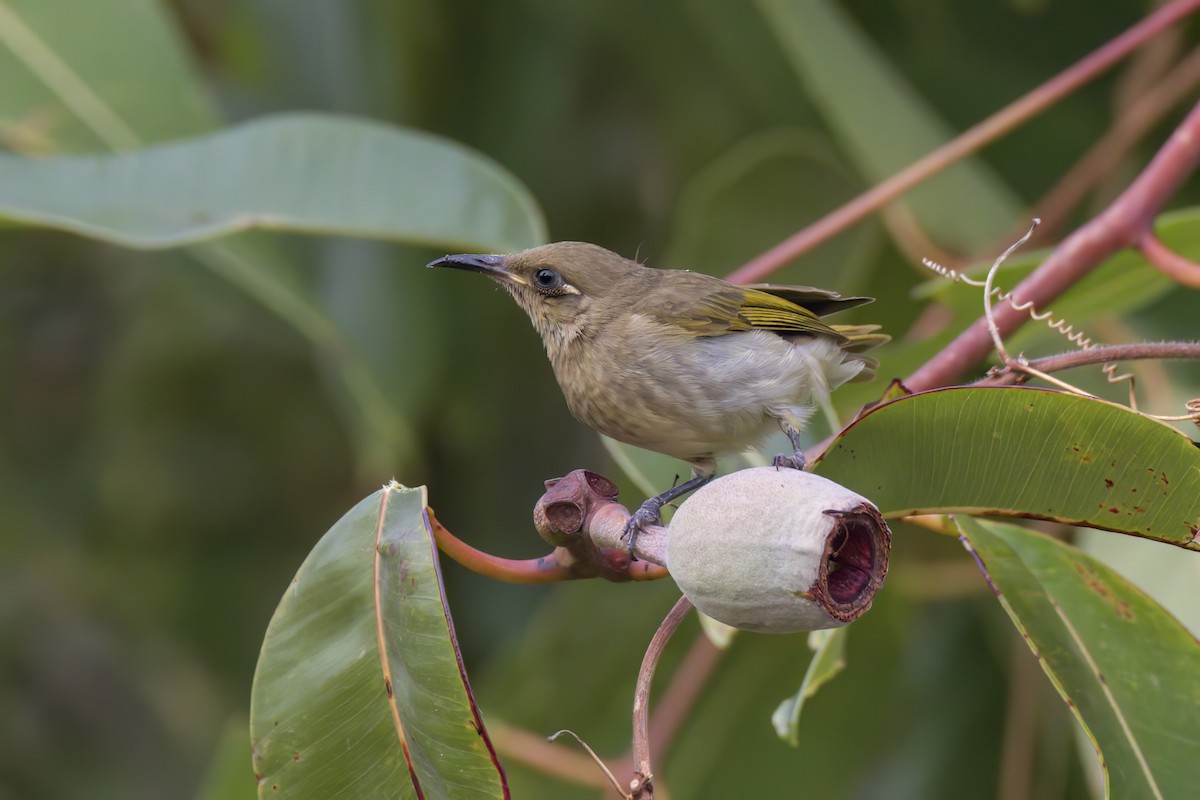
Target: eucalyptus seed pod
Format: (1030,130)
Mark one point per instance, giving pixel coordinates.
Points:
(778,551)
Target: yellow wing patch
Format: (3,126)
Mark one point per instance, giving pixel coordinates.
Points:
(730,309)
(772,313)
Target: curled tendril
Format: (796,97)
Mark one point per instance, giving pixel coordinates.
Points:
(1060,325)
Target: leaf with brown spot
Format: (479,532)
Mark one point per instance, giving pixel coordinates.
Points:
(1127,669)
(1017,452)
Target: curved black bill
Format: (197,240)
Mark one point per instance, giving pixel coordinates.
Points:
(490,265)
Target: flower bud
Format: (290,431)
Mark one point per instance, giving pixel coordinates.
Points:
(778,550)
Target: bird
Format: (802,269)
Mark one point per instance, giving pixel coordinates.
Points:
(680,362)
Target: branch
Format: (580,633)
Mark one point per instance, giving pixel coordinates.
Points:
(642,785)
(534,751)
(580,516)
(1168,262)
(1122,224)
(966,143)
(1102,158)
(681,694)
(1095,355)
(509,570)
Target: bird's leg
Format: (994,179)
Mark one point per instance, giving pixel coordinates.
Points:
(796,459)
(650,512)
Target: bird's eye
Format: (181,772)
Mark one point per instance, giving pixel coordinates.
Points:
(547,279)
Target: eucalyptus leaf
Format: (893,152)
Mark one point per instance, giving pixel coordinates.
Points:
(885,124)
(109,75)
(116,76)
(755,194)
(1023,452)
(829,659)
(303,173)
(360,682)
(1128,670)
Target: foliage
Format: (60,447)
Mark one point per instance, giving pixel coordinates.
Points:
(179,426)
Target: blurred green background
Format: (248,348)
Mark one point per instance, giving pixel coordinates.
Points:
(170,449)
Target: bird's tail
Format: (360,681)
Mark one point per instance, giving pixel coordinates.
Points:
(859,339)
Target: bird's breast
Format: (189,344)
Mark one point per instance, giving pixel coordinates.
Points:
(690,397)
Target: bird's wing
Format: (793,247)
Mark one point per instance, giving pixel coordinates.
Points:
(821,302)
(707,306)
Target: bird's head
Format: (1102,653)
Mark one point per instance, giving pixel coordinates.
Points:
(563,287)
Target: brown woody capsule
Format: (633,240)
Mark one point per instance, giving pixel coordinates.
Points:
(778,551)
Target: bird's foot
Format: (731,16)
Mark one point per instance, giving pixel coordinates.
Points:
(796,459)
(648,513)
(793,461)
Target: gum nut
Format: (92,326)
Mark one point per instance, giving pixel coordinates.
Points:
(778,551)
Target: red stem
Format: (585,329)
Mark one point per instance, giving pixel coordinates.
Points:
(1168,262)
(1123,224)
(681,693)
(643,783)
(1103,157)
(509,570)
(968,142)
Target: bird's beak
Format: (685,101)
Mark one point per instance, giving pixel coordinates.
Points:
(492,266)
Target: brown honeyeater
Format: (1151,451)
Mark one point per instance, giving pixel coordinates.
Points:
(680,362)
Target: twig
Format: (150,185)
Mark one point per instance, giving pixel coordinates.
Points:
(1168,262)
(968,142)
(642,785)
(1103,156)
(579,515)
(1077,337)
(1121,225)
(1146,68)
(988,290)
(509,570)
(599,762)
(688,680)
(912,241)
(1018,748)
(1096,355)
(534,751)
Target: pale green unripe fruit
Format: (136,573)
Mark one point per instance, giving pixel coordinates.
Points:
(778,551)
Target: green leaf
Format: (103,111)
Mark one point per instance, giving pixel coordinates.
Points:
(114,75)
(721,635)
(254,264)
(360,670)
(305,173)
(1128,670)
(884,124)
(1027,453)
(747,200)
(652,472)
(1171,582)
(229,775)
(829,659)
(95,76)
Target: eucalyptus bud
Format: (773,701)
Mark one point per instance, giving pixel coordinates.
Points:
(778,551)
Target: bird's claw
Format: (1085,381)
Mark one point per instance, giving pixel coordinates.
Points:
(648,513)
(794,461)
